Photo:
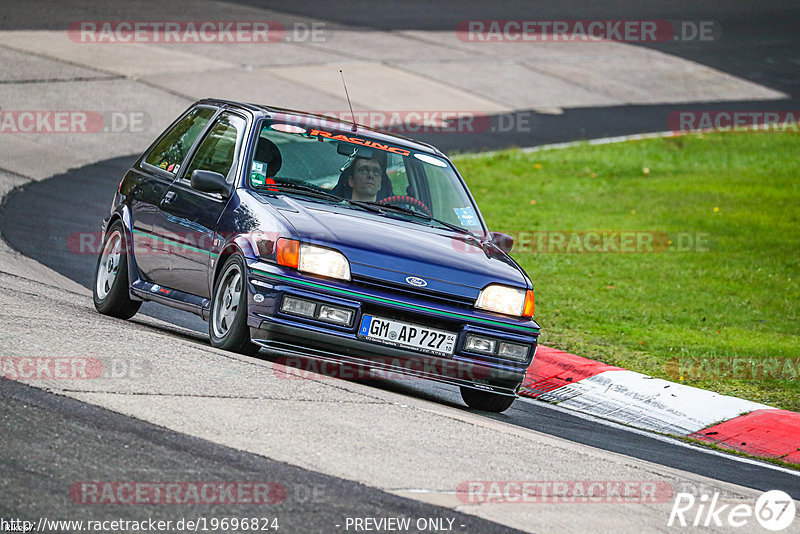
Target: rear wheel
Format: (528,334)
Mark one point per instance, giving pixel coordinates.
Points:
(227,326)
(110,291)
(486,401)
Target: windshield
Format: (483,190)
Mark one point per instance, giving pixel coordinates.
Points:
(357,168)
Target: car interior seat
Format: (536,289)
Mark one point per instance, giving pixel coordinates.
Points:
(268,153)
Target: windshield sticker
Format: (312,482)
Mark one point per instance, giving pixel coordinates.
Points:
(361,142)
(288,128)
(430,159)
(257,179)
(466,216)
(258,167)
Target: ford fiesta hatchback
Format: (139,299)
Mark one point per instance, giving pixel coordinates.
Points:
(309,236)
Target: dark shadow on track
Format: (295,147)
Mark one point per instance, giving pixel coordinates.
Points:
(527,128)
(44,470)
(57,222)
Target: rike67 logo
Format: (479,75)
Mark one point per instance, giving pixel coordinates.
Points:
(774,510)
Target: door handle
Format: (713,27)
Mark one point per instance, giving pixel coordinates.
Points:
(169,197)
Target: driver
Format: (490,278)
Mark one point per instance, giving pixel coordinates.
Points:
(364,180)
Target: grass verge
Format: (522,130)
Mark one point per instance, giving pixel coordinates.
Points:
(713,302)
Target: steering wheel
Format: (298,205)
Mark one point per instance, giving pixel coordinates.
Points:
(411,202)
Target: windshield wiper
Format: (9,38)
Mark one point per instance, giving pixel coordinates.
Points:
(318,192)
(425,216)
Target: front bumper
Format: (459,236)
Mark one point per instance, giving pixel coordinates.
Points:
(306,337)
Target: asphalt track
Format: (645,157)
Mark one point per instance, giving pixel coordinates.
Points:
(95,444)
(78,200)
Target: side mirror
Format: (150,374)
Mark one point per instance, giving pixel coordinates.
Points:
(503,241)
(210,182)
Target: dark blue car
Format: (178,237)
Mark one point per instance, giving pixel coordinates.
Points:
(316,238)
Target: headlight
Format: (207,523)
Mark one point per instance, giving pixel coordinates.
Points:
(507,300)
(324,262)
(312,259)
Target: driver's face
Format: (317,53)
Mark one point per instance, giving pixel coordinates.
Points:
(366,179)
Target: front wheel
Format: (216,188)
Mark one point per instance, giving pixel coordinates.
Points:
(110,291)
(486,401)
(227,326)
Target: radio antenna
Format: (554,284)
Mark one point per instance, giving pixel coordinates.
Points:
(355,128)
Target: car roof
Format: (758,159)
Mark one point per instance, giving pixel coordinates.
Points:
(341,126)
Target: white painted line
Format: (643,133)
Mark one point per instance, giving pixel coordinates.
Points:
(650,403)
(659,437)
(603,141)
(559,146)
(598,141)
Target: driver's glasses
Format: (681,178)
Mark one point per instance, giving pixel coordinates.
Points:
(369,170)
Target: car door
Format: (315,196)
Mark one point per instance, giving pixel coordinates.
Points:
(153,177)
(187,218)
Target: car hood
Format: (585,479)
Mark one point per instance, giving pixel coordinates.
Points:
(407,254)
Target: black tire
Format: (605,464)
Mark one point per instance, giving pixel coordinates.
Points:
(110,291)
(486,401)
(229,331)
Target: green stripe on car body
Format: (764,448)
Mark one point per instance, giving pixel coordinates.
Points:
(394,302)
(345,291)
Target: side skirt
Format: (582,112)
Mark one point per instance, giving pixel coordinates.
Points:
(172,298)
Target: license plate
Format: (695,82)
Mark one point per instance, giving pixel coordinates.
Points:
(407,335)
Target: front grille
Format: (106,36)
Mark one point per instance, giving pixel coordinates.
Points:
(415,293)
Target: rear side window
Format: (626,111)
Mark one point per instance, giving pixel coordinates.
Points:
(169,153)
(217,152)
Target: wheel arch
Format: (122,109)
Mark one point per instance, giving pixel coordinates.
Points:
(241,342)
(238,245)
(123,215)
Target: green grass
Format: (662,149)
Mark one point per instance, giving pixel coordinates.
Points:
(736,300)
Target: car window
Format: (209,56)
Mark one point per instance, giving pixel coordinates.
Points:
(449,204)
(396,170)
(318,158)
(218,149)
(171,150)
